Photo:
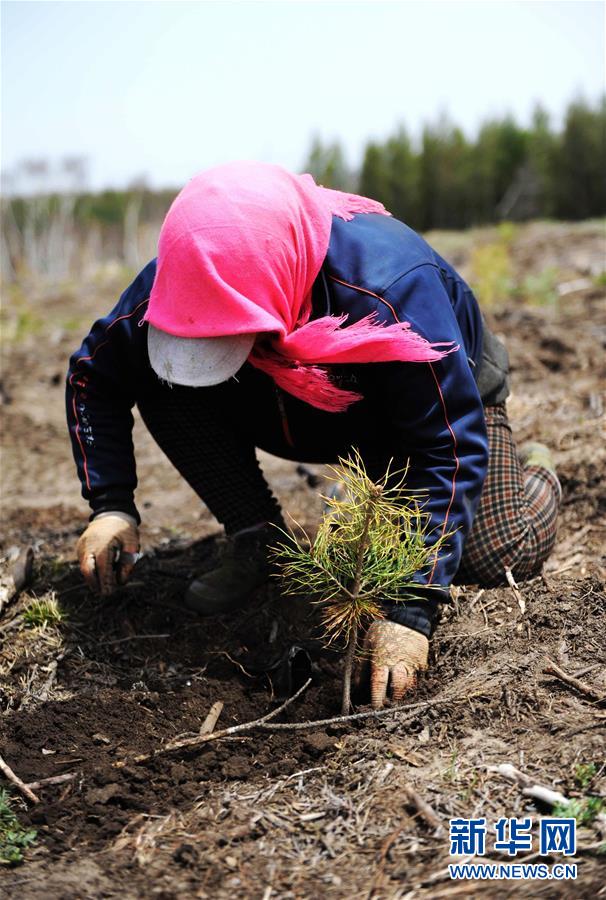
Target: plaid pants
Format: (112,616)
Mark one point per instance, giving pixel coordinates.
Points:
(515,525)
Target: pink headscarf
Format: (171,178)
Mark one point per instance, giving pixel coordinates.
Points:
(239,251)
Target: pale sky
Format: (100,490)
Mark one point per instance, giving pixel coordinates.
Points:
(168,88)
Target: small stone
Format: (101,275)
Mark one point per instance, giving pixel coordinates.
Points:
(318,743)
(99,738)
(103,794)
(186,855)
(423,736)
(231,862)
(236,767)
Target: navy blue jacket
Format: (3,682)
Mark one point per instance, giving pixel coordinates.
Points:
(428,413)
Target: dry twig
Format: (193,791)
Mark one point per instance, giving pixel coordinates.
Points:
(427,813)
(215,735)
(264,724)
(410,710)
(43,694)
(208,726)
(134,637)
(475,598)
(515,591)
(552,669)
(54,779)
(573,562)
(24,788)
(529,788)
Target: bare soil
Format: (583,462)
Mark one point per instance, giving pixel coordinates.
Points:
(315,813)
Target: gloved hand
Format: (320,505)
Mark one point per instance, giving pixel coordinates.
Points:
(393,652)
(107,551)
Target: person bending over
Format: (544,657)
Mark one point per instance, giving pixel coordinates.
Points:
(307,322)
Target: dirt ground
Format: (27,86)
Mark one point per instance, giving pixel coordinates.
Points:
(321,812)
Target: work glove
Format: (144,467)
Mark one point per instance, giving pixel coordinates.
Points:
(108,551)
(392,654)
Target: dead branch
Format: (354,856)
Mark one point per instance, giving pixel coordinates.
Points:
(233,661)
(44,691)
(529,788)
(215,735)
(134,637)
(512,774)
(515,591)
(572,562)
(545,795)
(54,779)
(264,723)
(43,694)
(208,726)
(411,708)
(427,813)
(551,668)
(475,599)
(540,792)
(25,790)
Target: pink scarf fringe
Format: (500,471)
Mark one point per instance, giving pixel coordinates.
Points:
(363,342)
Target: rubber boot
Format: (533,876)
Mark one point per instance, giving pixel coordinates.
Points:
(243,567)
(539,456)
(535,454)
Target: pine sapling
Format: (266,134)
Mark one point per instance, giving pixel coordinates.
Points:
(372,541)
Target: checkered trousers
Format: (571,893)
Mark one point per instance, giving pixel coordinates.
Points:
(515,526)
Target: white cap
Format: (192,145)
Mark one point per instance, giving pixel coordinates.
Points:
(197,362)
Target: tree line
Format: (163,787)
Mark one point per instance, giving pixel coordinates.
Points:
(444,179)
(441,179)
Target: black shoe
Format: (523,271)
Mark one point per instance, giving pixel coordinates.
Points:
(242,568)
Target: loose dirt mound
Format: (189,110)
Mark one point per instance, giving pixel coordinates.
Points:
(323,812)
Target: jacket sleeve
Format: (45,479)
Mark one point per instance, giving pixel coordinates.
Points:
(436,418)
(100,393)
